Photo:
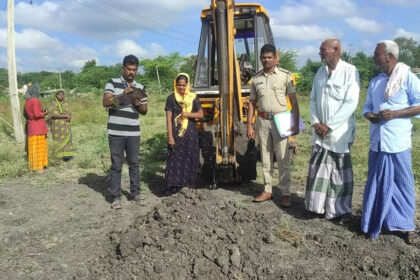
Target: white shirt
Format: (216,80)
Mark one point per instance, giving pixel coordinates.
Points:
(333,102)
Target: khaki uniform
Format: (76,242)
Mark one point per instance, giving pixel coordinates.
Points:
(270,92)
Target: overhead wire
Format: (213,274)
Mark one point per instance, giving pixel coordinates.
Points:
(130,19)
(144,16)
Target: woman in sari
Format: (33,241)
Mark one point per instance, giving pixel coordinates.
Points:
(182,108)
(60,126)
(36,131)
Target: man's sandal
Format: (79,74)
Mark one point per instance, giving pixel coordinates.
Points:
(116,204)
(412,237)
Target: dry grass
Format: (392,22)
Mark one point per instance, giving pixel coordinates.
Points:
(92,152)
(288,235)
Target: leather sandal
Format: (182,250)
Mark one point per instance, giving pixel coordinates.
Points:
(264,196)
(116,204)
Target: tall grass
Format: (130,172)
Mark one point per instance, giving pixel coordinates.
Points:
(89,120)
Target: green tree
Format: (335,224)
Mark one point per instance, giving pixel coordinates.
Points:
(188,66)
(88,65)
(68,79)
(287,60)
(365,66)
(346,57)
(166,66)
(307,74)
(4,80)
(33,77)
(50,83)
(96,76)
(407,50)
(417,56)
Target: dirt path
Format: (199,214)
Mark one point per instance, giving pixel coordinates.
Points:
(65,229)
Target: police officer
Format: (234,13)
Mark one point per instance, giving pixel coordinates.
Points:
(269,90)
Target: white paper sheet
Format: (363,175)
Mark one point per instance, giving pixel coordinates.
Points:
(284,122)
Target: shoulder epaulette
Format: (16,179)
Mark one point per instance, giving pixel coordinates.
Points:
(259,72)
(284,70)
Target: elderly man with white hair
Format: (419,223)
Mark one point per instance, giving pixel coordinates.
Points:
(393,98)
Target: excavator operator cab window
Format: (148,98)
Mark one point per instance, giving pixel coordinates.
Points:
(252,32)
(244,46)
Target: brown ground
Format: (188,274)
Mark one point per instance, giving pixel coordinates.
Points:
(64,228)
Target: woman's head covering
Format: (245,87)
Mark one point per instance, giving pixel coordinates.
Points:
(185,101)
(60,108)
(32,91)
(58,92)
(182,76)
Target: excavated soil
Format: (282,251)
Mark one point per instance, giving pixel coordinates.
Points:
(65,229)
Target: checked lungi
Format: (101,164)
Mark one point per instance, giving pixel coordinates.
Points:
(329,188)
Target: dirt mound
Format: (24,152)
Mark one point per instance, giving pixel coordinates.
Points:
(193,234)
(196,234)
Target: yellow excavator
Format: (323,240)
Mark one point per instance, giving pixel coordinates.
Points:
(228,56)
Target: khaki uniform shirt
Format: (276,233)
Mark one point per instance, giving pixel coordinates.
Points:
(270,90)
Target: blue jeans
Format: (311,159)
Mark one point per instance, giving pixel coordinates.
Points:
(117,146)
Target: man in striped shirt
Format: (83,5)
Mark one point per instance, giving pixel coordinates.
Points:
(125,100)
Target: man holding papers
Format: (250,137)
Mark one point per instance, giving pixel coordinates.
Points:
(269,90)
(334,97)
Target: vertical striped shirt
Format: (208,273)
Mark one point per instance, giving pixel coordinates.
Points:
(123,120)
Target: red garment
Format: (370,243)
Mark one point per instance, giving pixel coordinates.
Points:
(36,120)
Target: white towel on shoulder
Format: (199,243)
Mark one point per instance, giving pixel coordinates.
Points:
(398,76)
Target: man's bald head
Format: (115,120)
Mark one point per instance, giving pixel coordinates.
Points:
(330,52)
(334,43)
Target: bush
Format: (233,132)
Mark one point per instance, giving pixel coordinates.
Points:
(307,74)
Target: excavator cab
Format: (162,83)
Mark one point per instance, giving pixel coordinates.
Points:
(228,56)
(252,31)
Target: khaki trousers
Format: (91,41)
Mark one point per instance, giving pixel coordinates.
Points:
(272,144)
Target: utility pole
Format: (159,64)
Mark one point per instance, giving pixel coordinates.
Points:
(11,66)
(59,77)
(157,74)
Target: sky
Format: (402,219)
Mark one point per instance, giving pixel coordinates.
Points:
(59,35)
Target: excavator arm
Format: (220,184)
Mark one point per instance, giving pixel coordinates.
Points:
(222,84)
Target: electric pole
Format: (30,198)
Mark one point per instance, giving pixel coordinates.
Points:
(59,78)
(11,66)
(157,74)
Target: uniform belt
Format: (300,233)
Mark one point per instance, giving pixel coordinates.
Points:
(267,116)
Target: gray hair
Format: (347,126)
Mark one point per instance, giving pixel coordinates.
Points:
(390,47)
